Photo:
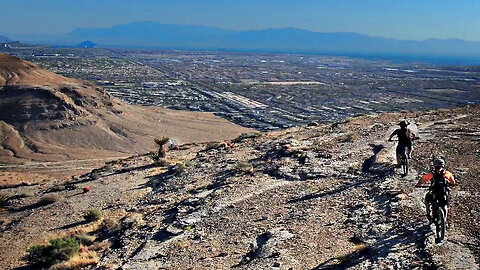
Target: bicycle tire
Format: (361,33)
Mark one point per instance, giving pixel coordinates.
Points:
(405,167)
(440,224)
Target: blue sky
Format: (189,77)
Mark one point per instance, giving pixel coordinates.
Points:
(401,19)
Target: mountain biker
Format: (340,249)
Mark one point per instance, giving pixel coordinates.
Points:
(405,139)
(439,179)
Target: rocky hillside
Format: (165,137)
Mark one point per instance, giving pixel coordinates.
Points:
(47,117)
(324,197)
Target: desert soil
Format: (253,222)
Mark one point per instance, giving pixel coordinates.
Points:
(324,197)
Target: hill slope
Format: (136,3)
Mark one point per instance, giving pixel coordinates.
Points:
(47,117)
(323,197)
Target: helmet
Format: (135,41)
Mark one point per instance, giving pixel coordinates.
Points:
(439,162)
(404,123)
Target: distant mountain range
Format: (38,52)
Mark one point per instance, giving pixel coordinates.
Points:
(168,36)
(4,39)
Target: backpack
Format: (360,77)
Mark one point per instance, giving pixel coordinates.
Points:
(439,188)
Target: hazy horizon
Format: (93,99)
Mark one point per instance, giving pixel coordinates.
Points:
(268,28)
(405,20)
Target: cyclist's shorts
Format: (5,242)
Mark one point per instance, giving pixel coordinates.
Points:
(401,149)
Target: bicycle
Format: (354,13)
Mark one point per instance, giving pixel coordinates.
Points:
(438,212)
(402,157)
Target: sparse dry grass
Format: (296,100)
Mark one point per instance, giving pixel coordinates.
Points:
(100,246)
(78,261)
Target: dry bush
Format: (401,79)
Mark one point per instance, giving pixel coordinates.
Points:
(245,136)
(85,239)
(213,145)
(109,225)
(78,261)
(84,229)
(131,220)
(100,246)
(26,194)
(244,168)
(347,138)
(4,197)
(178,168)
(49,199)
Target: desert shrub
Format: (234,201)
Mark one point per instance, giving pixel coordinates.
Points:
(57,188)
(109,225)
(4,197)
(244,136)
(177,169)
(49,199)
(26,193)
(92,215)
(244,168)
(58,250)
(347,138)
(155,156)
(84,239)
(131,220)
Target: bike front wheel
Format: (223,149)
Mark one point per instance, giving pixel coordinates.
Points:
(440,224)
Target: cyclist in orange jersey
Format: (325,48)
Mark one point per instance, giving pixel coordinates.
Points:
(439,179)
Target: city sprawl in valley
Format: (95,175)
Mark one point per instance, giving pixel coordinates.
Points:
(259,90)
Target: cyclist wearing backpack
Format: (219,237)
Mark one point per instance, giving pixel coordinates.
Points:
(405,140)
(439,179)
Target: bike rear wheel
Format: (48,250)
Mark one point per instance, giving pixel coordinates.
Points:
(405,167)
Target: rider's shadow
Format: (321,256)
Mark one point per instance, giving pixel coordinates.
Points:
(371,164)
(389,242)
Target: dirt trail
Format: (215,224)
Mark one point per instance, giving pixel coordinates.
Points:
(453,253)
